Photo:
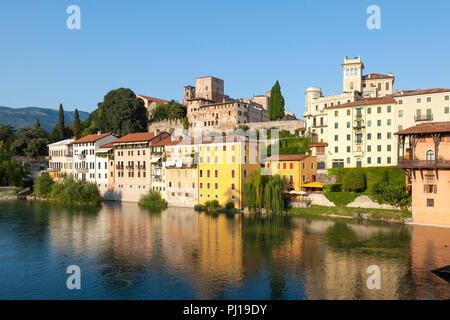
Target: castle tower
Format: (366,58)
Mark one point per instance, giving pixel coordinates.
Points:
(352,74)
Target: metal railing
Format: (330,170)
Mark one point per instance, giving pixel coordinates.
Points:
(423,117)
(411,164)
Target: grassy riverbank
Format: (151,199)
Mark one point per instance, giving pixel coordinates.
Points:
(399,216)
(213,207)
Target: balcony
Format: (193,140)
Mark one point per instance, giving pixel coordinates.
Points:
(129,167)
(53,169)
(424,164)
(82,170)
(82,156)
(358,117)
(119,167)
(423,117)
(139,167)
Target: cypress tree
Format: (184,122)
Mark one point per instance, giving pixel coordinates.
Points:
(38,124)
(61,123)
(276,102)
(76,126)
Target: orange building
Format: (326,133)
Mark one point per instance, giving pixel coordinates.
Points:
(424,155)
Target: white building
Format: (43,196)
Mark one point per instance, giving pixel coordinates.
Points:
(84,155)
(61,160)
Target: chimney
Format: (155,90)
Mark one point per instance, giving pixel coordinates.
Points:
(157,132)
(99,132)
(390,74)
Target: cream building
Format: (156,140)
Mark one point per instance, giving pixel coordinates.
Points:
(151,103)
(356,86)
(418,106)
(61,159)
(361,133)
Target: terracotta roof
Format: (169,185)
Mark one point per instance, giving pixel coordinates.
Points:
(137,137)
(168,142)
(108,145)
(286,157)
(91,138)
(420,92)
(365,102)
(300,129)
(319,144)
(153,99)
(432,127)
(377,76)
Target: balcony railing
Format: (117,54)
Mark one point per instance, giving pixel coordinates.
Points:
(82,170)
(53,169)
(119,167)
(130,167)
(430,164)
(82,156)
(423,117)
(139,167)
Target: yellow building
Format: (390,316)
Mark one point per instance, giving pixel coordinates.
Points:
(223,168)
(297,169)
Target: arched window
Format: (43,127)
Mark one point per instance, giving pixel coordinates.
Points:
(351,86)
(356,70)
(430,155)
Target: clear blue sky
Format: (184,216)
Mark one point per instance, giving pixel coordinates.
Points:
(157,47)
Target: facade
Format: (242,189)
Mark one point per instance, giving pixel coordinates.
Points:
(418,106)
(103,157)
(356,86)
(151,103)
(424,155)
(61,159)
(84,155)
(297,169)
(361,133)
(133,167)
(181,172)
(209,109)
(223,169)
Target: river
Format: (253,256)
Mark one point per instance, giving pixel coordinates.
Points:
(125,252)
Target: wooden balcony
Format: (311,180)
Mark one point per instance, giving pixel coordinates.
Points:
(423,117)
(420,164)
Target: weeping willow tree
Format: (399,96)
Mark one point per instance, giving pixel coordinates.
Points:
(254,190)
(273,196)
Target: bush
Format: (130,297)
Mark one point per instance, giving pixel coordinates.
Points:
(212,205)
(75,192)
(387,191)
(334,187)
(153,200)
(354,181)
(43,186)
(229,205)
(341,199)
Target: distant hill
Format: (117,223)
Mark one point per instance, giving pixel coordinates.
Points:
(26,117)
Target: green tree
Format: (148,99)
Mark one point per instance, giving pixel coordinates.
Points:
(274,201)
(76,126)
(38,124)
(42,186)
(354,181)
(186,123)
(30,142)
(121,112)
(169,111)
(276,102)
(11,174)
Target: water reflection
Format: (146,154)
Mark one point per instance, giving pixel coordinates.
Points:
(128,252)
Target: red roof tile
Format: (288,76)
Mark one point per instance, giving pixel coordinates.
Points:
(432,127)
(91,138)
(420,92)
(168,142)
(137,137)
(153,99)
(319,144)
(365,102)
(286,157)
(377,76)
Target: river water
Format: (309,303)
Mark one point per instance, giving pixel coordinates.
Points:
(125,252)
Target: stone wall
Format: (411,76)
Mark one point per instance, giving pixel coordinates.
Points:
(289,125)
(171,126)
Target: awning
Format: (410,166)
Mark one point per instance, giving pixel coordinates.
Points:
(313,185)
(154,159)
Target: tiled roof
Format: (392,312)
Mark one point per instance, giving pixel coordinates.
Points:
(300,129)
(168,142)
(153,99)
(108,145)
(365,102)
(404,93)
(432,127)
(137,137)
(62,142)
(377,76)
(287,157)
(319,144)
(91,138)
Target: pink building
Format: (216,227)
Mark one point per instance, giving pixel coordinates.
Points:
(424,155)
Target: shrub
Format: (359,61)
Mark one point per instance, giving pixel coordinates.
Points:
(212,204)
(229,205)
(354,180)
(43,186)
(334,187)
(386,190)
(75,192)
(341,199)
(153,200)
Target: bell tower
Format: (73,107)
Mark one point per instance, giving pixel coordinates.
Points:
(352,74)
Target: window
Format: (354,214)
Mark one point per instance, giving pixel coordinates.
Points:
(369,148)
(400,113)
(378,135)
(200,185)
(369,123)
(379,123)
(387,85)
(200,173)
(284,165)
(336,149)
(379,160)
(388,160)
(348,112)
(216,186)
(419,100)
(369,110)
(389,148)
(388,109)
(216,173)
(378,148)
(447,98)
(336,137)
(446,110)
(208,186)
(232,186)
(389,122)
(400,101)
(336,113)
(336,125)
(430,202)
(389,135)
(291,166)
(348,148)
(430,155)
(232,174)
(369,160)
(348,124)
(348,137)
(378,109)
(428,99)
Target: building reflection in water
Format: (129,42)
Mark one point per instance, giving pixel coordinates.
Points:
(183,254)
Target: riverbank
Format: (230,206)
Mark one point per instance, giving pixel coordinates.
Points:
(393,216)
